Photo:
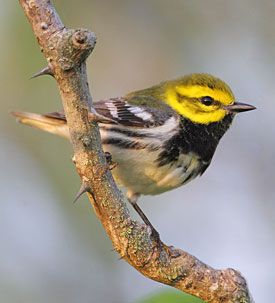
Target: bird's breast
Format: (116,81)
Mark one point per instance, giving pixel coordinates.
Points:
(151,161)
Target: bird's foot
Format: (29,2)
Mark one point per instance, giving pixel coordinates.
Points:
(171,250)
(155,235)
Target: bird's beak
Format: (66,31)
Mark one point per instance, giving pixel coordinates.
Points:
(238,107)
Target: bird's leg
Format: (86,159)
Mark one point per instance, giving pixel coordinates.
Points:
(132,198)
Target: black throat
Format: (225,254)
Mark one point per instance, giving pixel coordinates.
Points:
(200,139)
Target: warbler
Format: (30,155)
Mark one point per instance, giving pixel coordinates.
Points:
(163,137)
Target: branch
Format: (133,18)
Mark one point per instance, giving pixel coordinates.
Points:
(66,51)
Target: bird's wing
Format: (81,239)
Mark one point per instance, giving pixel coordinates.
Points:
(128,114)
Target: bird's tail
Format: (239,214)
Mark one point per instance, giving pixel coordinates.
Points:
(54,123)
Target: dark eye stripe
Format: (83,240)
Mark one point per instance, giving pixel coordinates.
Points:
(180,97)
(206,100)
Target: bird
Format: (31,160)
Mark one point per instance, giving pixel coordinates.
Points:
(161,137)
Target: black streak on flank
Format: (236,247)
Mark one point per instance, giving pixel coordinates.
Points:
(128,133)
(125,144)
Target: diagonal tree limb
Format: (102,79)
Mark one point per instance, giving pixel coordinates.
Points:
(66,51)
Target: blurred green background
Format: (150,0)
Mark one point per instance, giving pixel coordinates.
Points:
(54,251)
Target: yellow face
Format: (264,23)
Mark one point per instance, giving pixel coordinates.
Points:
(199,103)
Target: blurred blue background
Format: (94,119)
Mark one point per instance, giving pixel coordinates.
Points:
(54,251)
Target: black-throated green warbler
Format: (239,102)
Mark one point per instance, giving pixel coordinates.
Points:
(165,135)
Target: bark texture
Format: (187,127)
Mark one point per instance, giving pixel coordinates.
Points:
(66,51)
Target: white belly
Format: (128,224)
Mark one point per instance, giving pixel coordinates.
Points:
(138,171)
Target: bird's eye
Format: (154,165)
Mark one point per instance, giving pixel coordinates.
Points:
(207,100)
